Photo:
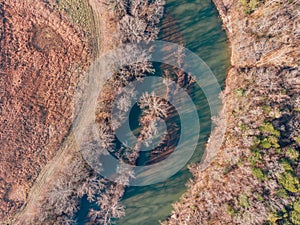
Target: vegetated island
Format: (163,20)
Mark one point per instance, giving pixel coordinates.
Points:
(254,179)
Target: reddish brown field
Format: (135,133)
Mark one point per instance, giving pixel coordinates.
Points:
(41,57)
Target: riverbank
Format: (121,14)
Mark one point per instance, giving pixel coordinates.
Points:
(43,204)
(254,178)
(185,23)
(67,178)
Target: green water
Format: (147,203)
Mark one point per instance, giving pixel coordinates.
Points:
(200,28)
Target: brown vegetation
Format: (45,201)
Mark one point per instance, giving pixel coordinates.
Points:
(254,178)
(42,55)
(55,198)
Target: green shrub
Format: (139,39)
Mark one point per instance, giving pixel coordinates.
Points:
(297,139)
(240,92)
(243,201)
(259,197)
(286,165)
(269,142)
(296,206)
(295,217)
(269,129)
(253,4)
(267,109)
(274,141)
(256,156)
(290,182)
(258,173)
(273,218)
(244,127)
(230,210)
(249,5)
(282,193)
(265,143)
(292,153)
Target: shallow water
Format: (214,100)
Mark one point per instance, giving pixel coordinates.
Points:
(198,26)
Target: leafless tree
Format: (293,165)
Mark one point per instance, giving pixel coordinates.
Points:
(154,105)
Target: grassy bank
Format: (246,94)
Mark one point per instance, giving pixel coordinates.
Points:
(81,13)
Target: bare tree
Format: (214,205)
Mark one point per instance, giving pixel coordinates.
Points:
(153,105)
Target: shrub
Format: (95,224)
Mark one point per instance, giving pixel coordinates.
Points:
(292,153)
(269,129)
(282,193)
(286,165)
(273,218)
(256,157)
(243,201)
(290,182)
(295,217)
(249,5)
(259,197)
(265,143)
(274,141)
(230,210)
(258,173)
(297,139)
(240,92)
(296,206)
(267,109)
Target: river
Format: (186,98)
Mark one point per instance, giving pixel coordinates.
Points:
(196,24)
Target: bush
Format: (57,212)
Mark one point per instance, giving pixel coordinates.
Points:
(256,157)
(269,129)
(296,206)
(265,143)
(230,210)
(292,154)
(258,173)
(286,165)
(282,193)
(243,201)
(297,139)
(249,5)
(295,217)
(273,218)
(240,92)
(290,182)
(259,197)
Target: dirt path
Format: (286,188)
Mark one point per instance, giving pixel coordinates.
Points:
(46,176)
(105,28)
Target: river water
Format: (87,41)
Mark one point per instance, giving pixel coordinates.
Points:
(197,25)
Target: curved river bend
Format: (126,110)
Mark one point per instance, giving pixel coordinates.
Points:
(197,25)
